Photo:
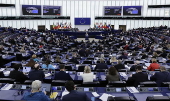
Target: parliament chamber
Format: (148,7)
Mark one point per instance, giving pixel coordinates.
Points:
(84,50)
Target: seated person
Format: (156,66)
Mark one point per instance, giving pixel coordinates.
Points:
(47,65)
(2,75)
(62,75)
(101,65)
(87,76)
(162,76)
(168,61)
(73,94)
(123,56)
(36,74)
(113,60)
(31,63)
(74,58)
(113,74)
(17,75)
(58,59)
(135,79)
(119,65)
(36,94)
(34,57)
(154,65)
(133,68)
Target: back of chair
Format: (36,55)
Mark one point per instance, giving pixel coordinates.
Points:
(28,82)
(81,69)
(19,57)
(148,84)
(68,68)
(87,62)
(117,84)
(122,70)
(165,84)
(58,82)
(7,80)
(91,84)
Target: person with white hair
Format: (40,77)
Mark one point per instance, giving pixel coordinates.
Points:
(88,75)
(36,94)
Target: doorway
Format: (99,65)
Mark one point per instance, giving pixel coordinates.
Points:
(41,28)
(123,27)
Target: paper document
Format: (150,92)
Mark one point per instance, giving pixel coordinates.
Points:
(123,74)
(132,89)
(48,74)
(94,76)
(7,87)
(95,94)
(53,95)
(6,72)
(127,67)
(147,64)
(105,96)
(2,69)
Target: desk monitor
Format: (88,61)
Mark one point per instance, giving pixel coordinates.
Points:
(26,69)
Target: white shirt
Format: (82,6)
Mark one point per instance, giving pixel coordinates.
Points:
(87,77)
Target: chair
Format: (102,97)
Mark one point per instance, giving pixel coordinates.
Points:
(28,82)
(123,98)
(19,57)
(130,62)
(158,98)
(148,84)
(165,84)
(100,70)
(81,68)
(91,84)
(117,83)
(157,70)
(58,82)
(7,80)
(68,68)
(87,62)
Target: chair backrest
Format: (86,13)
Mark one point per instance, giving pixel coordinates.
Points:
(91,84)
(148,84)
(58,82)
(165,84)
(122,70)
(68,68)
(123,98)
(7,80)
(19,57)
(117,83)
(81,68)
(87,62)
(28,82)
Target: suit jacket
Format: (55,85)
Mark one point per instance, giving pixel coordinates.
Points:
(160,77)
(137,78)
(75,96)
(101,66)
(2,75)
(18,76)
(62,76)
(74,60)
(119,66)
(123,57)
(36,75)
(82,52)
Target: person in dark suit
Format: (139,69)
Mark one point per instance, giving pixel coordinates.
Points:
(36,74)
(123,56)
(160,77)
(2,75)
(133,68)
(135,79)
(82,52)
(73,94)
(17,75)
(74,58)
(119,65)
(62,75)
(101,65)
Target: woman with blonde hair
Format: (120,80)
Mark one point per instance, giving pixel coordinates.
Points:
(88,75)
(113,60)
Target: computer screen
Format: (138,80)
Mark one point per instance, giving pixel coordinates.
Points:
(31,9)
(132,10)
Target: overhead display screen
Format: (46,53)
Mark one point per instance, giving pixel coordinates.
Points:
(132,10)
(31,9)
(113,10)
(51,10)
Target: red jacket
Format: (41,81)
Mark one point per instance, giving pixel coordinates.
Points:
(153,66)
